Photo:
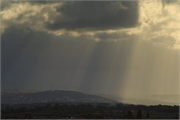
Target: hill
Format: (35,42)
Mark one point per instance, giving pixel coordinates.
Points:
(52,96)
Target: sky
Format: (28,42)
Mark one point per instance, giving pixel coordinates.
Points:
(125,48)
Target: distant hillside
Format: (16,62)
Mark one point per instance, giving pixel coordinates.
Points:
(16,91)
(51,96)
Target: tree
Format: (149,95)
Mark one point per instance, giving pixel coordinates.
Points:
(147,115)
(129,115)
(139,114)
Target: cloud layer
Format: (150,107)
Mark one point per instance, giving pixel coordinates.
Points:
(95,15)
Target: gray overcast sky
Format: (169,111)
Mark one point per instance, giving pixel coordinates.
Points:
(109,47)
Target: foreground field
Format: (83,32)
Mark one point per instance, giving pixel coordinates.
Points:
(88,111)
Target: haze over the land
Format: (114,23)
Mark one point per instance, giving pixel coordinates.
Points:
(122,48)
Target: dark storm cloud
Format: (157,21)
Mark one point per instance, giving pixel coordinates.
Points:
(95,15)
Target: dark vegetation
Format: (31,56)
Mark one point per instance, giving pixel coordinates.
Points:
(88,111)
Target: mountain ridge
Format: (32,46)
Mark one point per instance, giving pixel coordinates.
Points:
(52,96)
